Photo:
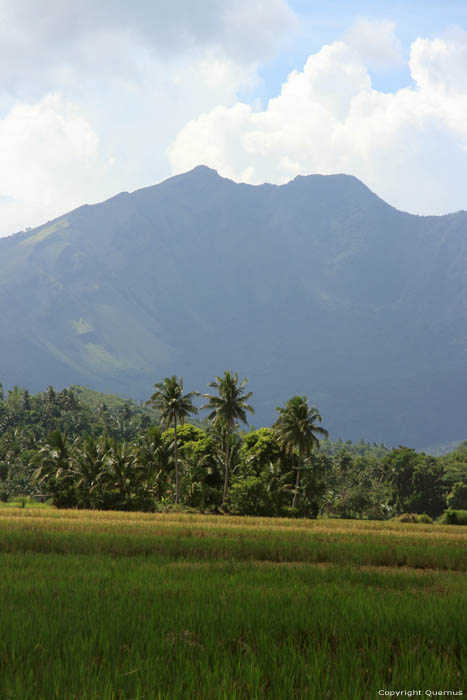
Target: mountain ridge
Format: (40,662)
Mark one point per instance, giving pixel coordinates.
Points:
(316,287)
(211,173)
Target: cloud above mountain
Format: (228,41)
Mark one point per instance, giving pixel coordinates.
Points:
(409,146)
(96,98)
(122,77)
(51,39)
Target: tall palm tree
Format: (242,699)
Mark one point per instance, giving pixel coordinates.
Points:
(53,458)
(227,408)
(296,429)
(174,407)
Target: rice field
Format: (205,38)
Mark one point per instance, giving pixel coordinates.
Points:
(110,606)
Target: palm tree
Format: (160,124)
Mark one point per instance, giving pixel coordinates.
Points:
(151,459)
(231,405)
(174,407)
(119,472)
(53,458)
(88,463)
(296,429)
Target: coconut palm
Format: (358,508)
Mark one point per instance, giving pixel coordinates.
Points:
(119,471)
(227,408)
(152,457)
(88,463)
(53,458)
(296,429)
(174,407)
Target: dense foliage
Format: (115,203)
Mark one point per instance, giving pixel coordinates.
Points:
(77,451)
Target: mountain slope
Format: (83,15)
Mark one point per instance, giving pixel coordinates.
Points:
(315,287)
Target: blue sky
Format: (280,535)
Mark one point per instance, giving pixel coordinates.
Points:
(323,22)
(96,98)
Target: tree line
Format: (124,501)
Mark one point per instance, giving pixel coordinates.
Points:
(148,457)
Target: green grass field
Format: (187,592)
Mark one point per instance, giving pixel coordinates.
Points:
(106,606)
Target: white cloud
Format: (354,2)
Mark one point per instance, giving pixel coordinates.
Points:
(409,146)
(119,121)
(440,64)
(98,97)
(48,153)
(39,42)
(125,79)
(376,43)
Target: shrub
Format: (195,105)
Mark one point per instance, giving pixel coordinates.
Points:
(414,518)
(290,512)
(407,518)
(457,499)
(455,517)
(249,496)
(424,518)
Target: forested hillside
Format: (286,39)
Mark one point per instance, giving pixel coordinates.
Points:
(316,287)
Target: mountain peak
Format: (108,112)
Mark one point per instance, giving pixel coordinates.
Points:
(199,172)
(204,169)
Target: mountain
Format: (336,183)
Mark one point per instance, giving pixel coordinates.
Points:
(314,287)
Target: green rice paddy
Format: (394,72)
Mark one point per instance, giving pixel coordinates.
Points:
(108,606)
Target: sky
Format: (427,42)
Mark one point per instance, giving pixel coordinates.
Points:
(102,97)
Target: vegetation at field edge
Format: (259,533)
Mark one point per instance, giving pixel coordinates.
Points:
(123,456)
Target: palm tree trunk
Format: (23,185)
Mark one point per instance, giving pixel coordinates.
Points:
(176,460)
(297,482)
(227,465)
